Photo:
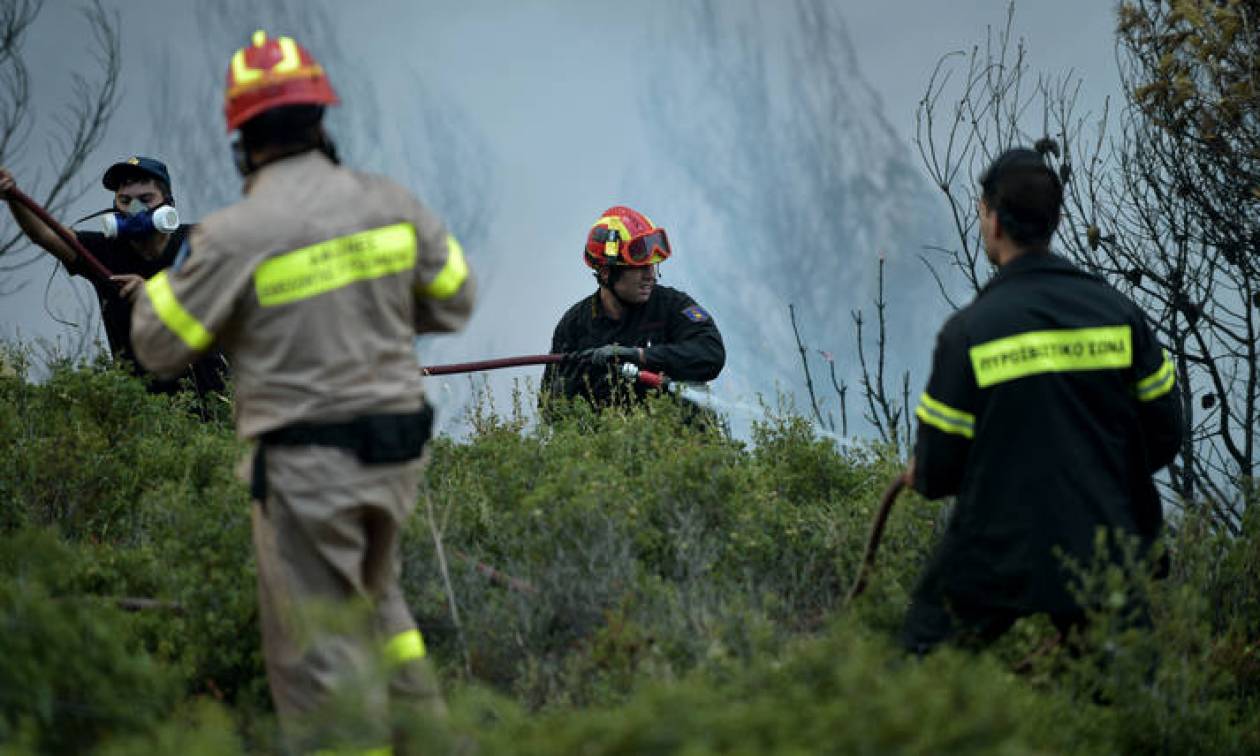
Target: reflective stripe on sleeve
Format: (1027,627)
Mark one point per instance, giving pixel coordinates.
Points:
(1158,383)
(404,647)
(320,268)
(1058,351)
(945,418)
(452,275)
(174,316)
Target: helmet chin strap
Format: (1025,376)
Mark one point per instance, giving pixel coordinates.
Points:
(615,272)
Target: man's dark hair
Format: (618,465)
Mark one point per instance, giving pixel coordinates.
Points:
(290,128)
(1026,195)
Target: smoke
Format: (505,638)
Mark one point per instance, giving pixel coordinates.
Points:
(520,122)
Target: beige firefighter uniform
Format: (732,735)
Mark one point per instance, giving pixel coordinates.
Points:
(314,285)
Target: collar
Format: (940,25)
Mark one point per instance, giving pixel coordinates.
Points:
(280,167)
(166,254)
(598,311)
(1031,261)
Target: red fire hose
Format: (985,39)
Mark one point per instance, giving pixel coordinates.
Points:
(505,362)
(101,273)
(630,370)
(876,535)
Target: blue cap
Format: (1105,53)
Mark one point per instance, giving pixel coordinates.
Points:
(133,167)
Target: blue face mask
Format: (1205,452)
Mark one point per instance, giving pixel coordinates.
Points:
(139,221)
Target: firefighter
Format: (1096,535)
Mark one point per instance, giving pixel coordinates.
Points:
(142,235)
(315,285)
(1049,407)
(630,319)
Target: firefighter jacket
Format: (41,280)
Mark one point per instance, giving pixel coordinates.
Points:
(679,339)
(1049,407)
(314,285)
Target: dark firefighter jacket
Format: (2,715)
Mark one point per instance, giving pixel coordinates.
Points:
(1049,407)
(678,336)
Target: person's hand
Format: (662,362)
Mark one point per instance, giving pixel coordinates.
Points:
(129,285)
(7,183)
(601,356)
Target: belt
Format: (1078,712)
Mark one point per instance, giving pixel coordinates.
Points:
(384,439)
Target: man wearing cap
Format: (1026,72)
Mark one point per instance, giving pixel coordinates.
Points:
(142,236)
(1049,407)
(630,319)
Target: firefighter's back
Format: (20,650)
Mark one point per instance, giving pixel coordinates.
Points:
(1058,450)
(326,329)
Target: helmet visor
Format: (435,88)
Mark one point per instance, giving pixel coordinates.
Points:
(648,249)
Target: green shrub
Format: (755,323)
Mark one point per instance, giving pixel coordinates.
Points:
(616,583)
(74,670)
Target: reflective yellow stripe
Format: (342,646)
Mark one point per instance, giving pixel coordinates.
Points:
(945,418)
(1158,383)
(290,60)
(612,247)
(404,647)
(329,265)
(245,76)
(453,273)
(173,315)
(242,73)
(1059,351)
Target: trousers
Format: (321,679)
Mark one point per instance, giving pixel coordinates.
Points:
(341,647)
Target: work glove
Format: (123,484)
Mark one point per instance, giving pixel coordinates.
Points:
(602,356)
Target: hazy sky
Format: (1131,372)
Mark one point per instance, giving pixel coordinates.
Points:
(526,72)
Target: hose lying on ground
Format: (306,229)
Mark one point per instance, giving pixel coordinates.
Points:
(877,533)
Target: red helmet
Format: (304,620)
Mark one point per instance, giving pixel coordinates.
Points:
(270,73)
(624,236)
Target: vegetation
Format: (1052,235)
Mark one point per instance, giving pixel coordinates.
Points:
(623,583)
(639,582)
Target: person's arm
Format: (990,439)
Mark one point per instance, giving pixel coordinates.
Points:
(551,379)
(34,228)
(180,310)
(947,418)
(694,352)
(1159,401)
(557,379)
(444,285)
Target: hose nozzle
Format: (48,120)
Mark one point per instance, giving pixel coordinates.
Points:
(645,377)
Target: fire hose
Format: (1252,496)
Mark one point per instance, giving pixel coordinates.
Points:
(629,370)
(504,362)
(99,271)
(876,535)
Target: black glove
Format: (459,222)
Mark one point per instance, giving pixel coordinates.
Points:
(601,356)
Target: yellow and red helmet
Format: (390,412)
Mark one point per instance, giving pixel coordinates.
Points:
(270,73)
(624,236)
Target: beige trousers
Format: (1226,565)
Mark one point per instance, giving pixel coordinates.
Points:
(341,647)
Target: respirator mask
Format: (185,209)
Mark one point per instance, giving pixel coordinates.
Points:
(138,220)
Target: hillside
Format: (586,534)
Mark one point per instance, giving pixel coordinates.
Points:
(624,584)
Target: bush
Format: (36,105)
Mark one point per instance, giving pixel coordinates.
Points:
(615,583)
